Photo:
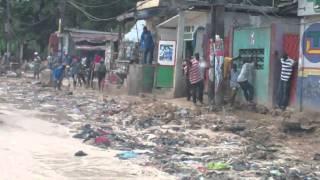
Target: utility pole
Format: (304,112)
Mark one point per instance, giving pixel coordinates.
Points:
(217,28)
(7,26)
(62,7)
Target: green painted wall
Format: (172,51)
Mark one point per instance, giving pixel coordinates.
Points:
(164,76)
(243,40)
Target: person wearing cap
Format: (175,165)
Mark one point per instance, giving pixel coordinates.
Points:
(36,66)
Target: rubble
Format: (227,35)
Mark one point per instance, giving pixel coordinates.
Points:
(178,140)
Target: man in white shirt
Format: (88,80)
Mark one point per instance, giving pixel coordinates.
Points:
(246,86)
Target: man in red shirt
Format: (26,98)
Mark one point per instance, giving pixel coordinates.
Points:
(196,80)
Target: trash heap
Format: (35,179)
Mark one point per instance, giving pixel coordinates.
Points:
(187,143)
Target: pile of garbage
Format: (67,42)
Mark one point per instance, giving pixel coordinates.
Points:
(188,143)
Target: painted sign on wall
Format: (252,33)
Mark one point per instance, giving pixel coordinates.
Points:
(308,7)
(311,43)
(167,52)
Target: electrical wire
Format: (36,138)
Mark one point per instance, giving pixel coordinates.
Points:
(97,5)
(88,15)
(94,18)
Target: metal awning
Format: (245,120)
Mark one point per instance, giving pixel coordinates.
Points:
(190,16)
(90,48)
(92,36)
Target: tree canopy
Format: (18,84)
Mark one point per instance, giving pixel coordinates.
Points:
(33,21)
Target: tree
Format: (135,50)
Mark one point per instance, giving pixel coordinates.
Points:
(33,21)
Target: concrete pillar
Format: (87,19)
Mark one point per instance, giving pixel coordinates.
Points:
(178,75)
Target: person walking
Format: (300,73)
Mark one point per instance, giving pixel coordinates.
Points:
(101,73)
(287,65)
(243,80)
(186,71)
(75,68)
(147,45)
(58,74)
(82,74)
(196,81)
(36,66)
(234,85)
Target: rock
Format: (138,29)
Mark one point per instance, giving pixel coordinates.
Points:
(240,166)
(295,126)
(80,154)
(261,109)
(11,74)
(169,117)
(45,78)
(316,157)
(294,174)
(235,127)
(276,112)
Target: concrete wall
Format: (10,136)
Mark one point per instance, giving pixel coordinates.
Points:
(309,64)
(278,27)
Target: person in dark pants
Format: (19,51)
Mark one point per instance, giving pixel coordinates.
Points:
(147,45)
(247,88)
(284,84)
(196,81)
(234,85)
(81,75)
(101,73)
(58,75)
(186,67)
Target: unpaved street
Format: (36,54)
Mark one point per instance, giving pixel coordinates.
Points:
(148,138)
(31,148)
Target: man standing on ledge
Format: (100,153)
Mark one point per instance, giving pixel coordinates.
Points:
(147,45)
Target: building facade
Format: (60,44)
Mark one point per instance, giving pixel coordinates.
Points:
(309,60)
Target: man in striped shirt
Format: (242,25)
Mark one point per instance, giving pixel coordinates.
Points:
(196,80)
(284,85)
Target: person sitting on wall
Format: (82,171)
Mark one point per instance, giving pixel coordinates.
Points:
(147,45)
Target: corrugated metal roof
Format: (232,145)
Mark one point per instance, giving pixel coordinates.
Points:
(91,36)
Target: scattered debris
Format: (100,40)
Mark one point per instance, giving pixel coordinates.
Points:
(185,142)
(218,166)
(127,155)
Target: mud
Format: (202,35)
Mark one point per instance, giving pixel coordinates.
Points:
(179,139)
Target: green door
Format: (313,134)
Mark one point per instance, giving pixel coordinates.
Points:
(148,78)
(249,40)
(164,76)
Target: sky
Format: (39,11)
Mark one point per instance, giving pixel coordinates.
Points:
(132,35)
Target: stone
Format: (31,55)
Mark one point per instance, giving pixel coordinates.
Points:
(316,157)
(80,154)
(45,78)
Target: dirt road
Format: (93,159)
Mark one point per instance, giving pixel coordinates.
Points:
(31,148)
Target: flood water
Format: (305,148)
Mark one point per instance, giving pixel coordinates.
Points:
(32,148)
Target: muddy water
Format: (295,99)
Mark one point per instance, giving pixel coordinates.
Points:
(31,148)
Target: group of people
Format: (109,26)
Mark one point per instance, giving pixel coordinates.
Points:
(239,79)
(79,71)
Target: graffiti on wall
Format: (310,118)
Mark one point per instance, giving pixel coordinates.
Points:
(311,43)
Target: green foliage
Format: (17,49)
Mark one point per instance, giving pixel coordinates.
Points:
(35,20)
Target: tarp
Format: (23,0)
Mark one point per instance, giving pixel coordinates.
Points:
(92,36)
(90,48)
(135,32)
